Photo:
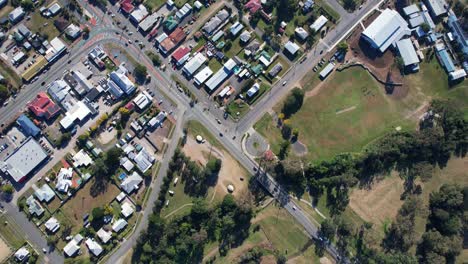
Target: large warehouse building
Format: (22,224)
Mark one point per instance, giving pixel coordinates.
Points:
(23,160)
(386,29)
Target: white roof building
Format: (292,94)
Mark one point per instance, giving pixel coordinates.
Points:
(73,31)
(220,75)
(148,22)
(22,254)
(301,33)
(142,100)
(437,7)
(82,159)
(71,248)
(407,52)
(16,15)
(411,9)
(203,75)
(291,47)
(52,225)
(104,235)
(57,47)
(158,119)
(78,112)
(119,225)
(23,160)
(253,90)
(318,23)
(144,160)
(34,207)
(58,90)
(139,13)
(64,178)
(131,183)
(127,164)
(327,70)
(93,247)
(44,193)
(120,197)
(457,74)
(127,209)
(194,64)
(386,29)
(236,28)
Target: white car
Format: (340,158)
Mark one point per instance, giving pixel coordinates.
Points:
(284,83)
(294,208)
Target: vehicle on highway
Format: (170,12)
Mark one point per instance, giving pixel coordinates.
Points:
(219,121)
(303,59)
(130,41)
(285,82)
(42,83)
(294,208)
(221,134)
(225,115)
(315,69)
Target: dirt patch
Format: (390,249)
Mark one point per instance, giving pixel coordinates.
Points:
(379,204)
(107,136)
(325,260)
(5,250)
(270,259)
(231,171)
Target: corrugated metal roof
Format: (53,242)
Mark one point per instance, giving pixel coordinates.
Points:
(407,52)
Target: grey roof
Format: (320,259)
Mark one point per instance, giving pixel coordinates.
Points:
(291,47)
(34,206)
(416,21)
(58,90)
(275,70)
(23,160)
(411,9)
(407,52)
(23,30)
(149,22)
(44,193)
(215,21)
(437,7)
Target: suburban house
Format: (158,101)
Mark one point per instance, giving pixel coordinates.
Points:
(131,183)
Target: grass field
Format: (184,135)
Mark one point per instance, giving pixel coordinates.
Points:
(154,4)
(10,75)
(214,64)
(42,25)
(196,128)
(350,111)
(267,128)
(83,202)
(11,232)
(179,204)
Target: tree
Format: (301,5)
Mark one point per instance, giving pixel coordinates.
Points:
(86,30)
(286,131)
(27,5)
(8,189)
(112,160)
(349,4)
(156,59)
(327,230)
(228,45)
(293,102)
(140,72)
(343,47)
(425,27)
(284,148)
(4,93)
(97,213)
(52,241)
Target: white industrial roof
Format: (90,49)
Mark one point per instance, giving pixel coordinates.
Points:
(79,111)
(192,65)
(438,7)
(22,253)
(411,9)
(407,52)
(203,75)
(142,100)
(386,29)
(23,160)
(71,248)
(148,22)
(319,23)
(327,70)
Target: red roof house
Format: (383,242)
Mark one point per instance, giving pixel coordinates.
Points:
(43,106)
(174,39)
(127,6)
(253,6)
(180,53)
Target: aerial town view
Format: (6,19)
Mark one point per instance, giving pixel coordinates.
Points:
(234,131)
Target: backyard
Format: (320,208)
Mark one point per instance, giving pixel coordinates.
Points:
(40,24)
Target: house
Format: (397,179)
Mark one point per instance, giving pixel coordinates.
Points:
(73,246)
(52,225)
(81,158)
(43,107)
(308,4)
(127,6)
(149,22)
(411,10)
(211,26)
(142,100)
(157,120)
(138,14)
(184,11)
(55,50)
(93,247)
(252,48)
(27,126)
(203,75)
(23,160)
(236,28)
(119,225)
(120,197)
(291,47)
(73,31)
(457,74)
(78,82)
(54,9)
(318,24)
(18,58)
(408,54)
(173,40)
(23,30)
(385,30)
(44,193)
(131,183)
(437,7)
(327,70)
(181,55)
(245,36)
(127,164)
(104,235)
(253,90)
(198,5)
(253,6)
(194,64)
(16,15)
(22,254)
(127,209)
(144,160)
(221,75)
(34,207)
(301,33)
(275,70)
(64,179)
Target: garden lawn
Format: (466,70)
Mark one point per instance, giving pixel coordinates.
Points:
(10,75)
(196,128)
(214,65)
(11,232)
(36,25)
(179,204)
(268,129)
(83,202)
(154,4)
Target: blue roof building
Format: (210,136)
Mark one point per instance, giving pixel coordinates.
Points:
(445,58)
(461,36)
(27,126)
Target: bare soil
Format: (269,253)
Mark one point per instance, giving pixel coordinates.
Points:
(231,171)
(105,137)
(5,250)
